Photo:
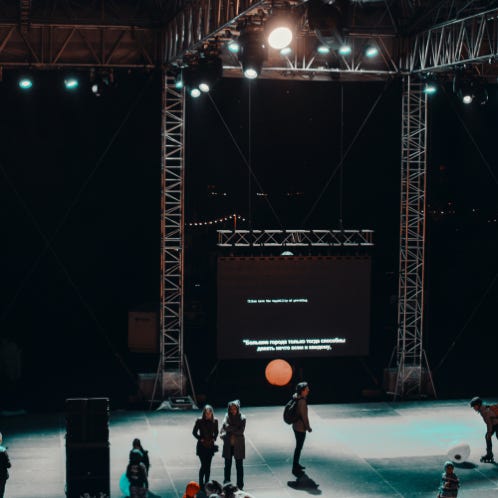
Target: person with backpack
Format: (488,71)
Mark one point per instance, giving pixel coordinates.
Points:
(489,414)
(4,465)
(301,425)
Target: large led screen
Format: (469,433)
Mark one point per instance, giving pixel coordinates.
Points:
(289,306)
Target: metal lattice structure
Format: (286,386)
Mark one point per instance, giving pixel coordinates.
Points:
(410,357)
(295,238)
(470,40)
(171,360)
(414,37)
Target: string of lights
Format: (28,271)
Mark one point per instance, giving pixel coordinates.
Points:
(231,217)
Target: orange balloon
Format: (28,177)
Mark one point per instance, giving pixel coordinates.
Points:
(278,373)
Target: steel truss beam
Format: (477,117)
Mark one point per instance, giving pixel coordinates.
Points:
(411,363)
(470,40)
(295,238)
(48,46)
(172,238)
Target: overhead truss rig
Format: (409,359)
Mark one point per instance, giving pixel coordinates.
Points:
(470,40)
(295,238)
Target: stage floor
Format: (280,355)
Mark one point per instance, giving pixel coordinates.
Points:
(368,450)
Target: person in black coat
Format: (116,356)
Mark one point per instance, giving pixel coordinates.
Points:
(205,431)
(234,446)
(137,475)
(4,465)
(137,445)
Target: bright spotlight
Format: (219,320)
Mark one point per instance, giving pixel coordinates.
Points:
(25,83)
(251,73)
(467,98)
(280,37)
(344,50)
(371,51)
(323,49)
(71,83)
(195,92)
(204,87)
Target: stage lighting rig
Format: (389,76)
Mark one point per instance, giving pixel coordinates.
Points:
(469,88)
(253,51)
(329,20)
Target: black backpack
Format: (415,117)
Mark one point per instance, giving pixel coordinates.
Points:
(290,411)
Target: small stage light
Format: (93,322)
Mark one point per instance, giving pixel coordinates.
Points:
(71,83)
(345,50)
(25,83)
(286,51)
(233,46)
(204,87)
(179,80)
(371,51)
(195,92)
(467,98)
(253,52)
(323,49)
(430,88)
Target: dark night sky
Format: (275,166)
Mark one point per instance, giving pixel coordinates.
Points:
(83,173)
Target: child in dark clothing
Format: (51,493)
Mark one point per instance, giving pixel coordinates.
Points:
(137,475)
(450,483)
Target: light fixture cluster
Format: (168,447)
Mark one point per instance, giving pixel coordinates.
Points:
(199,74)
(98,81)
(469,88)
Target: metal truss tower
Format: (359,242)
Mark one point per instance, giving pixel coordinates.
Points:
(171,360)
(411,362)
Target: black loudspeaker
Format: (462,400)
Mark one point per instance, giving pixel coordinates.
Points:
(87,447)
(87,470)
(87,420)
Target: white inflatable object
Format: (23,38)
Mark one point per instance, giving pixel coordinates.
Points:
(459,453)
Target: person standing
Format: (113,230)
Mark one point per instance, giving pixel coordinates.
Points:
(301,425)
(137,445)
(489,414)
(205,431)
(137,475)
(234,446)
(4,465)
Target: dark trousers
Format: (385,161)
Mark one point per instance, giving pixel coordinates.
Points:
(239,465)
(205,470)
(489,444)
(300,437)
(2,487)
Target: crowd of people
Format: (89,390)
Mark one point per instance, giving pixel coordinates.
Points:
(206,430)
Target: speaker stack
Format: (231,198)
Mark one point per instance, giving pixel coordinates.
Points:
(87,447)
